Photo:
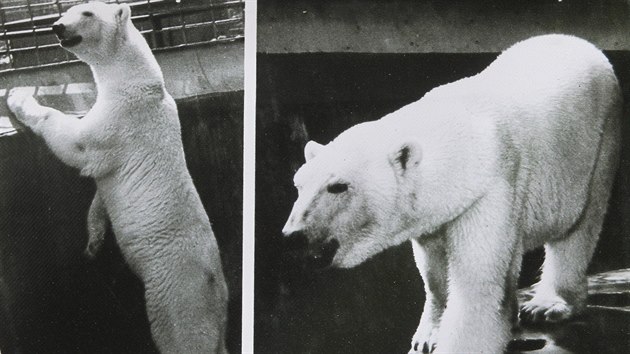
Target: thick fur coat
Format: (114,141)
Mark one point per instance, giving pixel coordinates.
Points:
(130,143)
(475,173)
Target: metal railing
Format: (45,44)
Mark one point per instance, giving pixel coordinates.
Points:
(27,41)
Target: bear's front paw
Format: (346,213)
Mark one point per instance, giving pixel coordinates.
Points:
(546,309)
(423,348)
(93,248)
(19,101)
(422,344)
(96,240)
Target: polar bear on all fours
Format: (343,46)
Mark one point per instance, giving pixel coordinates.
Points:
(130,143)
(474,174)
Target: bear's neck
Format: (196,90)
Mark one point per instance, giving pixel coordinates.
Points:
(131,70)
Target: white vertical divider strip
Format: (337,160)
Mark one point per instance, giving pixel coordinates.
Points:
(249,165)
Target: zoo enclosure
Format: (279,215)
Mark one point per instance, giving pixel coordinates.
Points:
(27,41)
(199,46)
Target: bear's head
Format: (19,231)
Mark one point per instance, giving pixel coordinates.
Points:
(354,196)
(93,31)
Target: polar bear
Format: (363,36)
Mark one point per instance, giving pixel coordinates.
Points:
(475,173)
(130,143)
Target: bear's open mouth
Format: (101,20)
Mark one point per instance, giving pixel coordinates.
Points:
(320,254)
(317,254)
(70,42)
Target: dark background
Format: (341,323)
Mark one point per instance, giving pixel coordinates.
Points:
(53,300)
(375,307)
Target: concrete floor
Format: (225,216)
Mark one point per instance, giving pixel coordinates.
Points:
(604,328)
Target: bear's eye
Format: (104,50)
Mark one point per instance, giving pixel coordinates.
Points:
(337,188)
(87,14)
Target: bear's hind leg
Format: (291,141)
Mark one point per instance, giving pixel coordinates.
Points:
(562,289)
(430,256)
(187,307)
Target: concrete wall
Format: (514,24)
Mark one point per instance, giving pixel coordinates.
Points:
(375,306)
(52,299)
(324,66)
(425,26)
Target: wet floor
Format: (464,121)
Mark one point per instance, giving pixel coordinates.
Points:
(604,328)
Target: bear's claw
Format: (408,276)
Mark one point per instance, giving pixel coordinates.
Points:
(423,342)
(415,348)
(545,310)
(92,249)
(426,348)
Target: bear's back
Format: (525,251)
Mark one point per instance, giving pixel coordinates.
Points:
(537,113)
(551,114)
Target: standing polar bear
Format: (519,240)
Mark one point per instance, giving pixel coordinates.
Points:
(474,174)
(130,143)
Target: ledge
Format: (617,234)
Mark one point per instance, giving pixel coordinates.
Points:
(188,72)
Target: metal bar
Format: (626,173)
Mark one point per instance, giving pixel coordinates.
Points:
(15,34)
(59,12)
(6,43)
(155,25)
(30,11)
(214,24)
(41,4)
(46,30)
(183,22)
(214,40)
(191,45)
(49,19)
(54,2)
(194,25)
(31,48)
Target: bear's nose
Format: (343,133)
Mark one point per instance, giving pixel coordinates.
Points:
(298,234)
(59,29)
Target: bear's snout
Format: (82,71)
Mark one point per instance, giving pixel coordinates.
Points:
(59,29)
(317,253)
(294,234)
(291,228)
(67,38)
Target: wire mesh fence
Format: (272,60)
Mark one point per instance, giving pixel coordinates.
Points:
(27,41)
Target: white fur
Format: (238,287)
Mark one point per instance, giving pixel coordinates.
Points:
(475,173)
(130,143)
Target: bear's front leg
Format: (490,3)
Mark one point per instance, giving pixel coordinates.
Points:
(481,245)
(61,132)
(26,109)
(430,256)
(97,226)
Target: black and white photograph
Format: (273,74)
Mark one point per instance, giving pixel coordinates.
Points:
(442,177)
(121,141)
(314,176)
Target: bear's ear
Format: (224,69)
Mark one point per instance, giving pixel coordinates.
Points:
(311,150)
(123,13)
(406,156)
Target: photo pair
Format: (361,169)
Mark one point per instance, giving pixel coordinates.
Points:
(314,176)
